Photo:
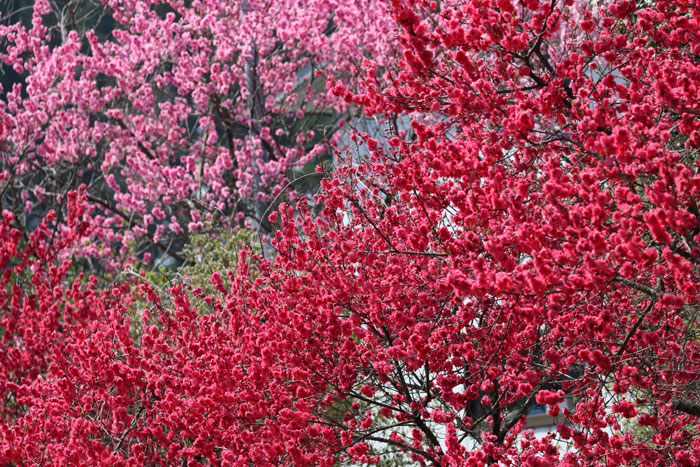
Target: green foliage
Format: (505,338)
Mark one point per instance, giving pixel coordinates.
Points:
(206,254)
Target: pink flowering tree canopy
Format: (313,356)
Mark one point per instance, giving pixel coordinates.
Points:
(530,238)
(183,116)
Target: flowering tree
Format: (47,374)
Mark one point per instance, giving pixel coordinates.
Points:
(534,236)
(33,298)
(175,114)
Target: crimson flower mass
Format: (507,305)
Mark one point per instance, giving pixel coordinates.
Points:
(506,227)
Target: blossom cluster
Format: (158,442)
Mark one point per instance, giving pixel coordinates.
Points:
(532,236)
(184,115)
